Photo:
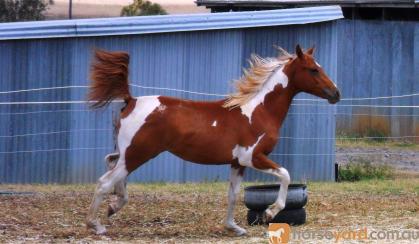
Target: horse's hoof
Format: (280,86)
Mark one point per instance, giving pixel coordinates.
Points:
(111,211)
(237,230)
(240,232)
(100,230)
(267,216)
(97,228)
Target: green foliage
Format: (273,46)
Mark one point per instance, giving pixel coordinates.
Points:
(372,135)
(22,10)
(364,170)
(140,8)
(406,144)
(376,135)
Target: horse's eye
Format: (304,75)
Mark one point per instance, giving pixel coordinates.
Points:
(314,71)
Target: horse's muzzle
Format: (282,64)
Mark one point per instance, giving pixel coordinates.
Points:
(333,95)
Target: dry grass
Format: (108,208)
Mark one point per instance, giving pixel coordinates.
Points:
(195,212)
(349,143)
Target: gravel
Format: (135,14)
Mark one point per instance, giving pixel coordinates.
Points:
(398,158)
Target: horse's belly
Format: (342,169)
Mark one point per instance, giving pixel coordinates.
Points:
(204,153)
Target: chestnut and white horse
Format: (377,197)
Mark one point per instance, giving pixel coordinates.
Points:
(241,130)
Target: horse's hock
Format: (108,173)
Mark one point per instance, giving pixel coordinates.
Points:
(258,198)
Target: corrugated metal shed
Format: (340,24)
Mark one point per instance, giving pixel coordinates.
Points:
(70,140)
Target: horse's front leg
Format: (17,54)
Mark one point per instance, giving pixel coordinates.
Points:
(236,177)
(262,163)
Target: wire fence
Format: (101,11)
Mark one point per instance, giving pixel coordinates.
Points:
(200,93)
(297,102)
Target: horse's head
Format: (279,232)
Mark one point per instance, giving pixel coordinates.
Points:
(306,75)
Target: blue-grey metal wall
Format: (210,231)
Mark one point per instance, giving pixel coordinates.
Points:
(204,61)
(378,58)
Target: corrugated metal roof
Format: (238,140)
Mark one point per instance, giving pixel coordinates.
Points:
(168,23)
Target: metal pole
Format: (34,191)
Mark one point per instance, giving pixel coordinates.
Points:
(70,9)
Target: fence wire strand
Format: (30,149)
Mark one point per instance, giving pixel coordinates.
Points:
(201,93)
(59,150)
(52,133)
(290,113)
(110,149)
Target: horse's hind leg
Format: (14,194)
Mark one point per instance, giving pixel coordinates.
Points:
(105,184)
(135,156)
(111,160)
(121,197)
(143,147)
(120,186)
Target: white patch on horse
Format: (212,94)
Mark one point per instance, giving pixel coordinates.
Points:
(278,77)
(318,64)
(214,124)
(244,154)
(131,124)
(161,108)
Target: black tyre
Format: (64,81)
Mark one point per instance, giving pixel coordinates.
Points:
(291,217)
(261,197)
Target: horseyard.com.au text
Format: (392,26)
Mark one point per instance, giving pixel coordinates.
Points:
(359,234)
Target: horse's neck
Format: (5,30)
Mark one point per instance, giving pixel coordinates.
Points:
(278,102)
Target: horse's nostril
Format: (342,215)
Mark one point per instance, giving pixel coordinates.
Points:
(337,94)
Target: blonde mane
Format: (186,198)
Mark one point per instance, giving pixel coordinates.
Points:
(255,77)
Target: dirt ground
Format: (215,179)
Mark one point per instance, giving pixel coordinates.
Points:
(193,213)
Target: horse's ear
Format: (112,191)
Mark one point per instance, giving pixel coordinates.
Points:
(311,51)
(299,52)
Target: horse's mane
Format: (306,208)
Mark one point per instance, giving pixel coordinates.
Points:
(255,77)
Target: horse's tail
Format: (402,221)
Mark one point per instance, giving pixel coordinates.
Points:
(109,76)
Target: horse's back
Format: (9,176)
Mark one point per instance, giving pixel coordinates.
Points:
(193,130)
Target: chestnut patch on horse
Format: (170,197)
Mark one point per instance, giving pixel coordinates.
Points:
(130,105)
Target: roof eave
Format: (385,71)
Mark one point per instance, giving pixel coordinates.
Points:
(166,23)
(308,3)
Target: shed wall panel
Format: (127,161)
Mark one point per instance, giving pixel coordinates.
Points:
(376,59)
